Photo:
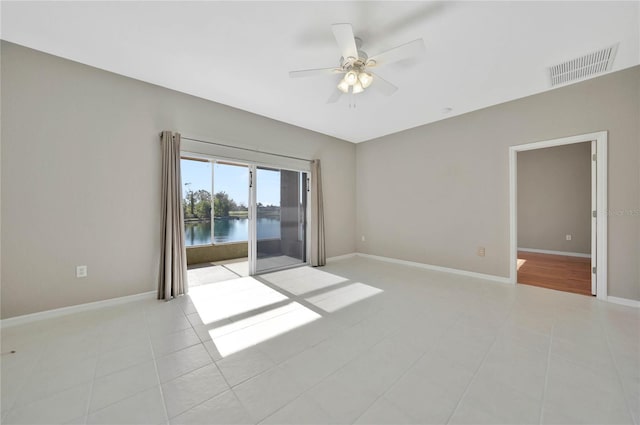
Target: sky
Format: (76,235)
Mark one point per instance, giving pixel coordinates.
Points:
(231,179)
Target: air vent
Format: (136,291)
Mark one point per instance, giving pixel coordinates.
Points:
(583,67)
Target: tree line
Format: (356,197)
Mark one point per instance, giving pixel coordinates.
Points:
(197,205)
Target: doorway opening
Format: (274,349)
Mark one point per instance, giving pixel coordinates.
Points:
(554,218)
(280,211)
(558,214)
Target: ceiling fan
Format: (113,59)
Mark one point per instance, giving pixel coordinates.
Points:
(356,65)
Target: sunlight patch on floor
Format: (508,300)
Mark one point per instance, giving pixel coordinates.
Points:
(246,333)
(221,300)
(301,283)
(520,263)
(244,312)
(331,301)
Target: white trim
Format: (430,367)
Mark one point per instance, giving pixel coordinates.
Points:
(601,202)
(513,215)
(624,301)
(252,214)
(602,253)
(210,148)
(548,251)
(594,220)
(63,311)
(467,273)
(342,257)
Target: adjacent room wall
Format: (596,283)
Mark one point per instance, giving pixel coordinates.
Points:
(435,193)
(554,198)
(81,172)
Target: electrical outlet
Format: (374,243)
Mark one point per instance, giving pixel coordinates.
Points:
(363,239)
(568,237)
(480,251)
(81,271)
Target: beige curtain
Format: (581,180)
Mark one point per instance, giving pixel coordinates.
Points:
(318,255)
(173,258)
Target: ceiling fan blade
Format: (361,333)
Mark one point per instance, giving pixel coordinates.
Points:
(345,39)
(314,72)
(412,49)
(335,96)
(382,85)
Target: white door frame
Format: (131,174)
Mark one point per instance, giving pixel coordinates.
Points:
(253,216)
(601,202)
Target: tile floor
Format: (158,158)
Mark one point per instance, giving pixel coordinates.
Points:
(358,341)
(203,273)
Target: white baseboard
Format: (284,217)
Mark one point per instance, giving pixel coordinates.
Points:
(467,273)
(616,300)
(624,301)
(548,251)
(341,257)
(48,314)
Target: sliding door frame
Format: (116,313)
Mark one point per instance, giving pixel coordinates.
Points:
(253,216)
(252,207)
(601,140)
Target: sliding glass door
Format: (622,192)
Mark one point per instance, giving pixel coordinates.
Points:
(280,211)
(222,217)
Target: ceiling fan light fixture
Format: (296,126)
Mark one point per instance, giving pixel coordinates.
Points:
(343,86)
(357,88)
(351,78)
(365,79)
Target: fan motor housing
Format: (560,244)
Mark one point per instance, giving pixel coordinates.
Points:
(357,63)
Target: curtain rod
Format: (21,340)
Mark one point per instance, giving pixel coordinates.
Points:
(245,149)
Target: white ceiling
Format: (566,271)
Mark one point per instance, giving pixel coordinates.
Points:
(239,53)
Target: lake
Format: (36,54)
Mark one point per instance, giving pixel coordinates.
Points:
(229,230)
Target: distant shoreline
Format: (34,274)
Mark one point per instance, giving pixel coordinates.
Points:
(230,217)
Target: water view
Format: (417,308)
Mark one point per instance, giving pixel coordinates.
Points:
(229,230)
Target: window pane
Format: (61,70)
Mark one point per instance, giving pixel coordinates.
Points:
(268,200)
(231,184)
(196,201)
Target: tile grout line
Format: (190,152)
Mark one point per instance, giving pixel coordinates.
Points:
(402,375)
(475,374)
(24,382)
(93,382)
(119,400)
(229,388)
(313,386)
(634,419)
(424,354)
(155,364)
(546,376)
(226,268)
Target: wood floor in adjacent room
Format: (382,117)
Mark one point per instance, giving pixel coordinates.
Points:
(559,272)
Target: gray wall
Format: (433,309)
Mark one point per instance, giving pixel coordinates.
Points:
(554,198)
(81,170)
(435,193)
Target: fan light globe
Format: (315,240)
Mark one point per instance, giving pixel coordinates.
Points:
(343,86)
(365,79)
(351,78)
(357,88)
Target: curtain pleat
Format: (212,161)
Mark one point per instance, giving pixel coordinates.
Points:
(318,255)
(173,259)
